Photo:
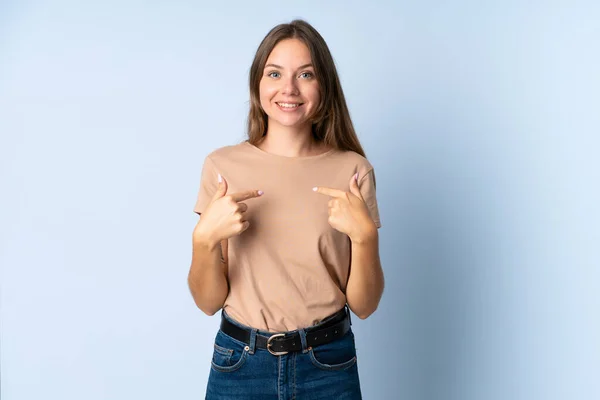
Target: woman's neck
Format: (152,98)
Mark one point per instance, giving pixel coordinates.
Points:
(289,142)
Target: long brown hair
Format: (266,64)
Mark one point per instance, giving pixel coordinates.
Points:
(331,122)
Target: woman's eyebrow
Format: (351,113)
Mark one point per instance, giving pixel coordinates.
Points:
(280,67)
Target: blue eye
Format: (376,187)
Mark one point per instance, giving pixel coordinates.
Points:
(273,73)
(306,75)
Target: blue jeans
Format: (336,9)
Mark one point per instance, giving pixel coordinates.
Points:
(240,371)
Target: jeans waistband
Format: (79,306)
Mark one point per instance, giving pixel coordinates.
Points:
(330,319)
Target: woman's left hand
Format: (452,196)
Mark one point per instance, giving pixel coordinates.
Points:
(348,212)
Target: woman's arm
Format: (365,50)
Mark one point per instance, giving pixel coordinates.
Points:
(349,214)
(207,278)
(366,281)
(222,219)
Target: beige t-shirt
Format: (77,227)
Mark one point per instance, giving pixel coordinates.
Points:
(289,269)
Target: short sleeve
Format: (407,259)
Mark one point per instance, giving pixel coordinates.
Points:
(366,186)
(208,185)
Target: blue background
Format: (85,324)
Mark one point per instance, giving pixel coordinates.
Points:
(482,122)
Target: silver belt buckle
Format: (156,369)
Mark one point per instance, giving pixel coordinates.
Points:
(275,353)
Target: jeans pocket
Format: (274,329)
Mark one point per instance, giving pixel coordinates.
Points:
(335,356)
(228,354)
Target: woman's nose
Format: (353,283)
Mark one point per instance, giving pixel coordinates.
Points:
(290,86)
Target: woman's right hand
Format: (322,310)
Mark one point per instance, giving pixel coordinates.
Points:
(224,215)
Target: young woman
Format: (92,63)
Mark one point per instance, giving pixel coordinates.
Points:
(287,240)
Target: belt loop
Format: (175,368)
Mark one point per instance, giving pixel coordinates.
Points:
(302,333)
(252,344)
(348,312)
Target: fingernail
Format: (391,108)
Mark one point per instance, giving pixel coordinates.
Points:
(356,177)
(219,178)
(260,192)
(315,189)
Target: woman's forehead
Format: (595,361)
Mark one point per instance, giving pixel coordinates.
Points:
(289,53)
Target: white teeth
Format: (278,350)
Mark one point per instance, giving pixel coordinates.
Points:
(288,105)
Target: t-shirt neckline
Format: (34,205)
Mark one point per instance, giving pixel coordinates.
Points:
(286,158)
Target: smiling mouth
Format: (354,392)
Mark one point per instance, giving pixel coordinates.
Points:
(289,106)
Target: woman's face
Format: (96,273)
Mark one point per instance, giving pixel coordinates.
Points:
(289,91)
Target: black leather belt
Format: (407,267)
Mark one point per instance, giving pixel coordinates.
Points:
(331,328)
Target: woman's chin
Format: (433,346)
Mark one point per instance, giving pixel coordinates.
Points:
(290,123)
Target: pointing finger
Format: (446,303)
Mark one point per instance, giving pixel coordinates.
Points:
(329,191)
(249,194)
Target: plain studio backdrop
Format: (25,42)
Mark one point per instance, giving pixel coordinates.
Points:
(482,120)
